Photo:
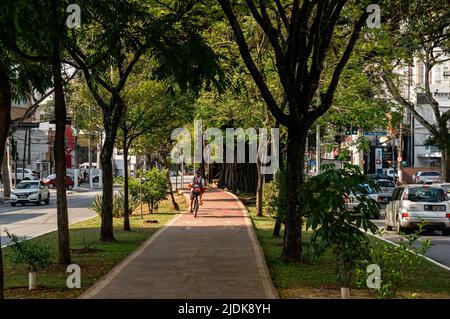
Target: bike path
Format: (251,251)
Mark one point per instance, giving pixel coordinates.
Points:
(215,255)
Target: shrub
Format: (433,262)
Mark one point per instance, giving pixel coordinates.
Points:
(96,205)
(117,204)
(274,196)
(34,254)
(118,180)
(270,198)
(333,225)
(154,187)
(397,264)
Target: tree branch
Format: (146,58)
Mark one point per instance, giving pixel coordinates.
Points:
(254,71)
(403,102)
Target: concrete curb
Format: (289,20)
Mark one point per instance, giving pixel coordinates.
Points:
(270,290)
(425,257)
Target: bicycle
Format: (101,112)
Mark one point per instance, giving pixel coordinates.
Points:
(195,205)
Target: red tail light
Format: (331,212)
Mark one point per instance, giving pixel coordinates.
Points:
(447,215)
(405,215)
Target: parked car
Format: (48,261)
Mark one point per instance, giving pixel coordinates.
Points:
(446,187)
(387,187)
(427,176)
(72,176)
(391,172)
(50,181)
(411,204)
(351,201)
(86,166)
(28,174)
(378,176)
(30,192)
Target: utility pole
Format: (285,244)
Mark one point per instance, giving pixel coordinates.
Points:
(29,147)
(318,149)
(24,153)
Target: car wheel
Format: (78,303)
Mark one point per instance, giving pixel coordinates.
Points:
(386,226)
(51,186)
(69,187)
(446,232)
(13,204)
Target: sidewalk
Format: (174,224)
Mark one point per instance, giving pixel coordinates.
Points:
(215,255)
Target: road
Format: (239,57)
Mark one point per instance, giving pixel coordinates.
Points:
(31,221)
(440,250)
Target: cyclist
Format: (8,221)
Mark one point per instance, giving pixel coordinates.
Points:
(198,182)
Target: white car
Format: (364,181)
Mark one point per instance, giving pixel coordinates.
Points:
(30,192)
(387,187)
(351,201)
(412,204)
(427,176)
(446,187)
(28,174)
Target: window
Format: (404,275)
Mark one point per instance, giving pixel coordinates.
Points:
(385,184)
(429,195)
(430,174)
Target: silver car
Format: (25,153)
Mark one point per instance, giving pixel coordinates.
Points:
(427,176)
(412,204)
(446,187)
(30,192)
(387,187)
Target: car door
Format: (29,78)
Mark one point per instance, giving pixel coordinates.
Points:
(397,204)
(388,209)
(393,205)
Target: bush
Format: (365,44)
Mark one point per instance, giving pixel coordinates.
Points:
(270,198)
(154,187)
(117,206)
(118,180)
(397,264)
(96,205)
(274,196)
(34,254)
(333,225)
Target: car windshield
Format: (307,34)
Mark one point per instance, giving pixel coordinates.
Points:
(429,195)
(27,186)
(385,184)
(53,176)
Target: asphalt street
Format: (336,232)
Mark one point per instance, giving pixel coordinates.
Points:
(31,221)
(440,249)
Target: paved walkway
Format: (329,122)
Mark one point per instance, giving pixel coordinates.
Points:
(213,256)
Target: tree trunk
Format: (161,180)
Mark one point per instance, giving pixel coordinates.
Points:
(59,151)
(126,208)
(277,228)
(5,120)
(169,184)
(106,232)
(292,247)
(1,271)
(5,176)
(446,164)
(259,189)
